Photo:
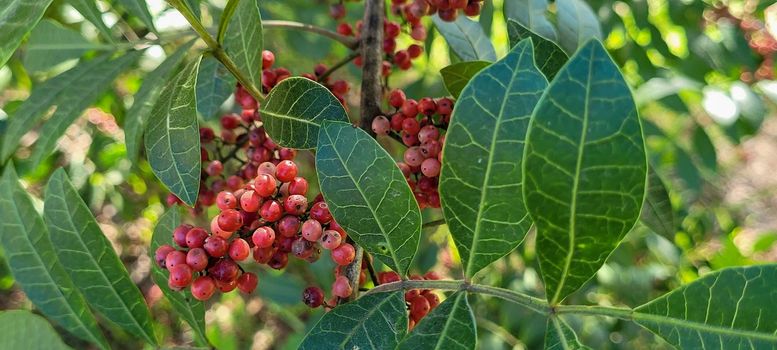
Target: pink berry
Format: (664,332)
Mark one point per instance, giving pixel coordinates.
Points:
(381,125)
(331,239)
(263,237)
(311,230)
(430,167)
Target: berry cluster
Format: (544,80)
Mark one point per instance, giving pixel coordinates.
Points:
(448,10)
(759,40)
(419,301)
(419,125)
(273,76)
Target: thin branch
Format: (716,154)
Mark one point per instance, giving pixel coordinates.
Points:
(339,65)
(596,310)
(350,42)
(371,269)
(372,59)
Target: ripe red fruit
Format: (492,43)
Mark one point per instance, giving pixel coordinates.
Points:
(174,258)
(419,307)
(197,259)
(217,230)
(263,255)
(230,121)
(391,29)
(444,106)
(415,51)
(411,294)
(388,277)
(203,288)
(239,249)
(289,225)
(263,237)
(337,11)
(447,15)
(331,239)
(295,204)
(381,125)
(271,211)
(266,168)
(311,230)
(247,282)
(264,184)
(345,29)
(389,45)
(342,287)
(410,108)
(397,98)
(161,254)
(344,254)
(432,298)
(179,234)
(279,260)
(409,139)
(418,32)
(180,276)
(301,248)
(215,246)
(430,167)
(298,186)
(286,171)
(401,57)
(195,238)
(313,297)
(226,286)
(250,201)
(427,106)
(320,212)
(268,59)
(214,168)
(224,270)
(410,125)
(413,156)
(396,121)
(230,220)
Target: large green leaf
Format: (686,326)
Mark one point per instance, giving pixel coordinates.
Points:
(480,183)
(243,40)
(547,55)
(727,309)
(172,136)
(25,330)
(91,13)
(451,325)
(294,110)
(86,89)
(139,9)
(457,75)
(376,321)
(34,263)
(466,38)
(367,194)
(657,212)
(183,303)
(214,85)
(145,99)
(89,258)
(531,14)
(584,169)
(577,23)
(51,92)
(17,17)
(51,44)
(559,336)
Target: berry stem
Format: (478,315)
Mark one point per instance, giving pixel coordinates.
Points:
(339,65)
(371,270)
(349,42)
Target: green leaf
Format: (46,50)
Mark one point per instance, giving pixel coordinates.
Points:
(146,98)
(577,23)
(172,136)
(183,303)
(35,266)
(51,44)
(727,309)
(705,149)
(367,194)
(17,17)
(138,9)
(51,92)
(457,75)
(466,38)
(451,325)
(584,169)
(214,85)
(657,212)
(294,110)
(243,40)
(25,330)
(88,257)
(91,13)
(78,97)
(531,14)
(480,182)
(547,55)
(559,336)
(374,321)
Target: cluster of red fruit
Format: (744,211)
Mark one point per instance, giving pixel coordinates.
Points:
(419,125)
(272,76)
(759,40)
(448,10)
(419,301)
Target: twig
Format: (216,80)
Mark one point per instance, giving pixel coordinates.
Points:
(371,269)
(338,65)
(372,59)
(348,41)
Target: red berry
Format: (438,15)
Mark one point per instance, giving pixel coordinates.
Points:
(431,148)
(286,171)
(427,106)
(331,239)
(311,230)
(268,59)
(410,125)
(414,156)
(225,286)
(225,270)
(264,185)
(458,4)
(415,51)
(448,15)
(230,121)
(195,238)
(266,168)
(313,297)
(345,29)
(197,259)
(279,260)
(411,294)
(263,255)
(409,139)
(320,212)
(295,204)
(247,282)
(397,98)
(214,168)
(418,33)
(161,254)
(207,135)
(263,237)
(391,29)
(344,254)
(337,11)
(271,211)
(301,248)
(239,249)
(230,220)
(215,246)
(342,287)
(203,288)
(433,299)
(217,230)
(250,201)
(381,125)
(405,169)
(396,121)
(401,57)
(419,307)
(289,225)
(176,257)
(410,108)
(298,186)
(180,276)
(444,106)
(430,167)
(389,45)
(179,234)
(388,277)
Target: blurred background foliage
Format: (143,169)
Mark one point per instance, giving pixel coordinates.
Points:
(702,72)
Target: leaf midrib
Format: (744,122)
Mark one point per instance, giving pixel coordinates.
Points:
(91,258)
(366,201)
(288,117)
(448,321)
(696,326)
(369,314)
(560,332)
